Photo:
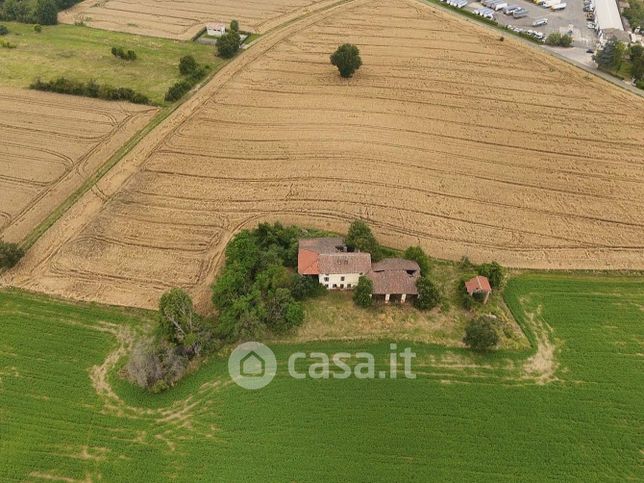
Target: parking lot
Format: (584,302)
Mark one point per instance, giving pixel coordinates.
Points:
(571,20)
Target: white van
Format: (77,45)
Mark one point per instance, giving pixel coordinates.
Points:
(540,22)
(559,6)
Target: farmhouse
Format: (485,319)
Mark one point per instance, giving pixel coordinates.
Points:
(329,260)
(479,284)
(215,29)
(394,279)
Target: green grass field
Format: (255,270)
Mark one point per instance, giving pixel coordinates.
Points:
(571,412)
(84,53)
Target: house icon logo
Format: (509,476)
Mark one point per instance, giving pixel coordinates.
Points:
(252,365)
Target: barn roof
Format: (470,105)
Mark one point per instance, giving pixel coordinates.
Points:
(395,282)
(334,263)
(395,264)
(478,284)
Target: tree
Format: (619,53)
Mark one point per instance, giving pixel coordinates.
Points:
(418,255)
(179,322)
(228,44)
(187,65)
(481,334)
(361,238)
(234,26)
(428,294)
(362,294)
(46,12)
(307,287)
(347,59)
(611,56)
(10,254)
(494,273)
(636,53)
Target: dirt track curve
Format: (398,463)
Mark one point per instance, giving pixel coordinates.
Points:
(446,137)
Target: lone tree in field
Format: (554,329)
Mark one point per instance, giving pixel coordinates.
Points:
(481,334)
(347,59)
(362,292)
(10,254)
(228,44)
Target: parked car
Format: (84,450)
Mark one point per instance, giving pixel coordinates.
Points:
(522,12)
(540,22)
(591,25)
(590,51)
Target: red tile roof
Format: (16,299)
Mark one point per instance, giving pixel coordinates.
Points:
(478,284)
(307,262)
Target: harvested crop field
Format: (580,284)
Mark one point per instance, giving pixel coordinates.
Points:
(184,19)
(50,145)
(447,138)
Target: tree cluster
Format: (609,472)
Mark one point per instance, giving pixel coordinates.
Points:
(611,56)
(121,53)
(192,73)
(10,254)
(555,39)
(229,44)
(44,12)
(494,273)
(258,292)
(636,54)
(635,13)
(157,363)
(90,89)
(361,238)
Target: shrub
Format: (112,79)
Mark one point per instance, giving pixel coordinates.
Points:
(557,40)
(228,44)
(428,294)
(307,287)
(155,366)
(494,273)
(7,45)
(362,294)
(3,30)
(178,90)
(119,52)
(38,28)
(234,26)
(481,334)
(418,255)
(347,59)
(361,238)
(187,65)
(10,254)
(90,89)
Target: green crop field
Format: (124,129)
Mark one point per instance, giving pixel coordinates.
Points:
(83,53)
(571,408)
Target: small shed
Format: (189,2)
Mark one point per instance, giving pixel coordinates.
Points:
(479,284)
(215,29)
(394,279)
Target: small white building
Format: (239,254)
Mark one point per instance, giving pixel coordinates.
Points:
(328,259)
(215,29)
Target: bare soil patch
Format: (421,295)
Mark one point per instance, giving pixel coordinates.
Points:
(50,145)
(445,138)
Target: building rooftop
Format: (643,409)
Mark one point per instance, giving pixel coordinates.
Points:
(607,15)
(478,284)
(333,263)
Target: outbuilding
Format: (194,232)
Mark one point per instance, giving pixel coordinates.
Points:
(479,284)
(215,29)
(394,279)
